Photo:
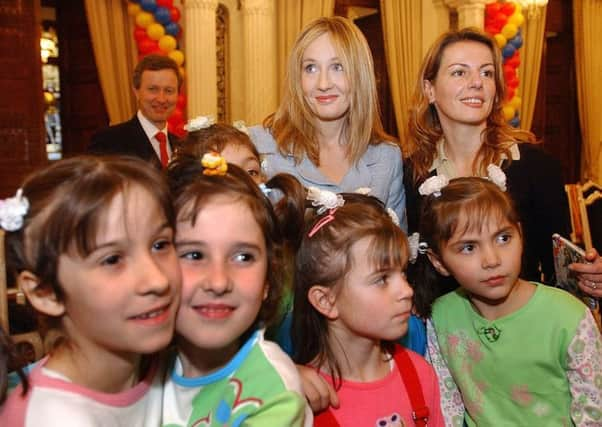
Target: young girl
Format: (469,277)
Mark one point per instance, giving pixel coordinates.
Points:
(91,240)
(230,249)
(513,362)
(352,301)
(232,142)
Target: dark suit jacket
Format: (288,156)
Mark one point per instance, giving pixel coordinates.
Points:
(127,138)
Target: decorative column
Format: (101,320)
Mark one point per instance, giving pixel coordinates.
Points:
(471,13)
(260,54)
(201,57)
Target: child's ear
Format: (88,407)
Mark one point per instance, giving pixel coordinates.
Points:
(323,300)
(42,298)
(434,259)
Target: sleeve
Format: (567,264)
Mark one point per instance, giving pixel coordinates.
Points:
(284,409)
(452,406)
(396,198)
(584,372)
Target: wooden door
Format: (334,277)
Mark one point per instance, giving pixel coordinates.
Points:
(22,144)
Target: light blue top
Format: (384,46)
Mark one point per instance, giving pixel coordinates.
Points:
(380,169)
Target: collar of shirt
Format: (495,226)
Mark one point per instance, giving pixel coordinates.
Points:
(445,166)
(151,130)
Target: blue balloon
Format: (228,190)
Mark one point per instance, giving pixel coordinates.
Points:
(173,29)
(148,5)
(162,15)
(516,41)
(508,50)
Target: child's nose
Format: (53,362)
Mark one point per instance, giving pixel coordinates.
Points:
(491,257)
(218,280)
(154,280)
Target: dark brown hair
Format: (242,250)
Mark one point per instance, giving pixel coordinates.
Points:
(67,201)
(465,204)
(325,259)
(155,63)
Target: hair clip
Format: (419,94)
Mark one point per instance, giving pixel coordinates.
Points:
(199,122)
(433,185)
(393,216)
(12,211)
(416,247)
(497,176)
(214,164)
(324,199)
(322,222)
(363,190)
(241,126)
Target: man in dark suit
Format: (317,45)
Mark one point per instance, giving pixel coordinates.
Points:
(156,82)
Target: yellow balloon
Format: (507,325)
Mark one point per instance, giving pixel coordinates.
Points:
(517,19)
(509,31)
(177,56)
(182,72)
(133,9)
(500,40)
(516,102)
(167,43)
(144,19)
(517,7)
(155,31)
(508,111)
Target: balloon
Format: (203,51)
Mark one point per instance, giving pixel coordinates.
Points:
(177,56)
(500,40)
(177,115)
(509,93)
(508,50)
(175,14)
(517,41)
(172,29)
(167,43)
(507,8)
(514,60)
(493,9)
(509,31)
(513,82)
(515,122)
(165,3)
(182,72)
(149,5)
(516,102)
(139,33)
(155,31)
(517,19)
(508,112)
(144,19)
(162,15)
(134,9)
(509,72)
(181,103)
(147,45)
(501,19)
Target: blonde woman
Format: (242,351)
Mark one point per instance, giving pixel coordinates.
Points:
(327,131)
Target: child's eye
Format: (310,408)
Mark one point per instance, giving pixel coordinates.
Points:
(244,257)
(161,245)
(381,280)
(504,238)
(111,259)
(192,255)
(467,248)
(253,172)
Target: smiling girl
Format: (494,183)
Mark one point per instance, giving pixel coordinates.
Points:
(92,242)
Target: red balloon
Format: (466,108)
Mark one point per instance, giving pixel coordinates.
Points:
(509,72)
(139,33)
(492,9)
(501,19)
(147,45)
(175,14)
(512,83)
(509,93)
(177,115)
(508,8)
(181,103)
(165,3)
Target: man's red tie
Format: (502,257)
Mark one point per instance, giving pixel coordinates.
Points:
(162,148)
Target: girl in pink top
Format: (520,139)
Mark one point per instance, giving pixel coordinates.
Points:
(91,241)
(352,302)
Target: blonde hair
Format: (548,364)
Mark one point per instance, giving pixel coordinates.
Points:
(293,124)
(424,129)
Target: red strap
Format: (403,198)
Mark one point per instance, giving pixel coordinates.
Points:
(162,148)
(325,419)
(409,376)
